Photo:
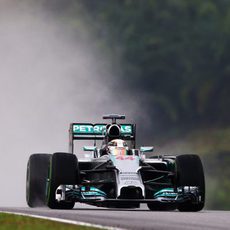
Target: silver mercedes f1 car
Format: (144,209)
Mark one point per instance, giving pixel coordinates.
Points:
(114,173)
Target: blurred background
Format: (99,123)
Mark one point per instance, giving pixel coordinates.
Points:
(165,64)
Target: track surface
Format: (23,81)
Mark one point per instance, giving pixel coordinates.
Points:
(136,218)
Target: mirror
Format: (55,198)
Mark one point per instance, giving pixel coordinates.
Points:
(89,148)
(146,149)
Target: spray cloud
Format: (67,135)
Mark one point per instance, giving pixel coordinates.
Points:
(49,77)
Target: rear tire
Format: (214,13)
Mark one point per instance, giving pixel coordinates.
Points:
(37,173)
(63,170)
(190,173)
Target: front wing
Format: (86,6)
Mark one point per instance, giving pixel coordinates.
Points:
(95,196)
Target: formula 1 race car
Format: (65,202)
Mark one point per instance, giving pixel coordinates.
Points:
(116,174)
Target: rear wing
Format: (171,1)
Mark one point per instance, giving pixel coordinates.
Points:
(89,131)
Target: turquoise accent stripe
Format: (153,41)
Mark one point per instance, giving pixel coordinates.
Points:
(166,193)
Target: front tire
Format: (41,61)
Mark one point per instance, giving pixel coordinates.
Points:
(36,175)
(63,170)
(190,173)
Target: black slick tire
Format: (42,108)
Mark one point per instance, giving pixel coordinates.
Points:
(63,170)
(190,173)
(36,175)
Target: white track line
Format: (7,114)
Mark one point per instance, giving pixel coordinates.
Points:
(64,221)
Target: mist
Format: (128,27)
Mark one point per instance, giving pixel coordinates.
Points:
(49,77)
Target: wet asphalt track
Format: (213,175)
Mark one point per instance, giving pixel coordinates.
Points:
(137,218)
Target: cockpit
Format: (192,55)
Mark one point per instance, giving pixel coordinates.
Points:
(118,147)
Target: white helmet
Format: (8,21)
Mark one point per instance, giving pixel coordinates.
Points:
(118,147)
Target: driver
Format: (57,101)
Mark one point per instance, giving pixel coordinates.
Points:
(118,147)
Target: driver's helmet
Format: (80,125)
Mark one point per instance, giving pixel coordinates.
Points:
(118,147)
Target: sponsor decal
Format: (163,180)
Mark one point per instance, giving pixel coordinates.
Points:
(88,129)
(126,129)
(125,158)
(129,176)
(92,191)
(98,129)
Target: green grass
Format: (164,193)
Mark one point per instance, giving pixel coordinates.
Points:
(17,222)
